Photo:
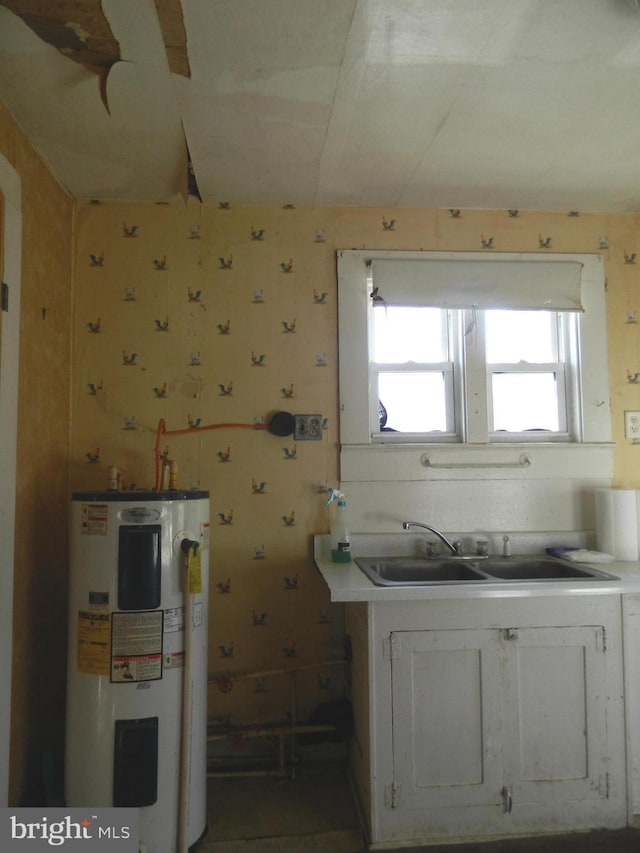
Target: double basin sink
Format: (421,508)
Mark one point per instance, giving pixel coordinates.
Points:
(416,571)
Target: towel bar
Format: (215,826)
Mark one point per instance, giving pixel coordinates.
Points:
(524,461)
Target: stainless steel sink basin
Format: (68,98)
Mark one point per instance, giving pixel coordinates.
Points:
(408,571)
(412,571)
(541,569)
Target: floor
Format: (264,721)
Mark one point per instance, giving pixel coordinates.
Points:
(314,813)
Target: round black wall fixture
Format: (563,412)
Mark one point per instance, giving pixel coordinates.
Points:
(282,423)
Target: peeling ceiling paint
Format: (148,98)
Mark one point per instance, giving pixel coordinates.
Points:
(174,35)
(79,30)
(332,102)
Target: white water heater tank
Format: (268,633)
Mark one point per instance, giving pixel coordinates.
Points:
(137,659)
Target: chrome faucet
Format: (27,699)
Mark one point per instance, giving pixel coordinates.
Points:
(454,547)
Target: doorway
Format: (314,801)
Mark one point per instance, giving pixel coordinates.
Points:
(10,269)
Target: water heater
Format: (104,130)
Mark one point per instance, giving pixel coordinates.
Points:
(136,726)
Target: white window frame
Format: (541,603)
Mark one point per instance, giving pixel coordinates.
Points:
(567,370)
(446,368)
(364,456)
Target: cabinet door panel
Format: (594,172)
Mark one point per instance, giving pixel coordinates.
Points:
(553,721)
(446,712)
(561,715)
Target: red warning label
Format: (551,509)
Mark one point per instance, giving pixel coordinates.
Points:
(94,519)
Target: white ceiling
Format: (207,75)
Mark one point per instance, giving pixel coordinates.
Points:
(529,104)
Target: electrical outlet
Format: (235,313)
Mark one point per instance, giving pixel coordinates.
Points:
(309,427)
(632,425)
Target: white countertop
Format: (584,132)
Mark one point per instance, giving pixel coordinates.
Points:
(349,583)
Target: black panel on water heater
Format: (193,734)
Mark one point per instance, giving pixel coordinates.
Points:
(139,567)
(135,763)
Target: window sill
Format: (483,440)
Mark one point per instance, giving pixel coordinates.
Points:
(497,439)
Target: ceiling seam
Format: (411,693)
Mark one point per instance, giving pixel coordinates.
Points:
(345,53)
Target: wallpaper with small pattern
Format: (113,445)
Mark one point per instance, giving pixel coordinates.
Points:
(220,314)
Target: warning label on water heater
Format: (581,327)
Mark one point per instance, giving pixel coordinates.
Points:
(94,519)
(136,646)
(94,641)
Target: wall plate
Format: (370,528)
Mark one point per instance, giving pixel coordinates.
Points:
(307,427)
(632,425)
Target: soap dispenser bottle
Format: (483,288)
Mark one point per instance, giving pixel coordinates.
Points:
(340,538)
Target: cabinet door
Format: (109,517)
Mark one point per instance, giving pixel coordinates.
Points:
(557,748)
(447,719)
(500,728)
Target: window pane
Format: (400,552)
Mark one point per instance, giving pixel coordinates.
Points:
(401,335)
(524,401)
(513,336)
(415,402)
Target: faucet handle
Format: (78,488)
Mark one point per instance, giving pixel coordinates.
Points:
(457,546)
(432,549)
(482,548)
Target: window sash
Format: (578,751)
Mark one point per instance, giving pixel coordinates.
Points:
(444,369)
(467,423)
(378,311)
(554,324)
(558,371)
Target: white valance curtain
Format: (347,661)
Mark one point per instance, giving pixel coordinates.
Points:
(531,284)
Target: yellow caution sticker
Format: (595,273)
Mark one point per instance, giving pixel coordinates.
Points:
(94,642)
(194,572)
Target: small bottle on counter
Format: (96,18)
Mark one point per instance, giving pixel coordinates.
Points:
(113,479)
(340,537)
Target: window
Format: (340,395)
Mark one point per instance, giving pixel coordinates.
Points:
(469,350)
(520,362)
(411,370)
(529,360)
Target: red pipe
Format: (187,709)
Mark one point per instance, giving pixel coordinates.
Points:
(162,430)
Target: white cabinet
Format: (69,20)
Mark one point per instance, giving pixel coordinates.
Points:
(631,611)
(507,725)
(500,718)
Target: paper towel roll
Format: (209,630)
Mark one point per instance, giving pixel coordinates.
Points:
(617,523)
